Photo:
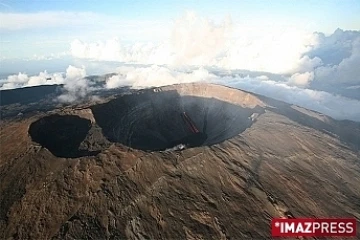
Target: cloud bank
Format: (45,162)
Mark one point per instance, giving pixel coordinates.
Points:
(336,106)
(201,42)
(77,87)
(301,56)
(23,80)
(192,41)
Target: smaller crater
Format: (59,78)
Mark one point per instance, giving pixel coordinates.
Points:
(62,135)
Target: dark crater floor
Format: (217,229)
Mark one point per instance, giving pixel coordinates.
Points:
(156,121)
(62,134)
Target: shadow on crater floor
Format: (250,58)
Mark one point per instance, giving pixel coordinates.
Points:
(155,120)
(62,135)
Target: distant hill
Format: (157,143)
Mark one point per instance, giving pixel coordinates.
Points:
(27,95)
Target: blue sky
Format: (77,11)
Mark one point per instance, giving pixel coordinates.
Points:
(342,10)
(345,12)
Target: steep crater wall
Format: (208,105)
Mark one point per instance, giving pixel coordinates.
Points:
(61,134)
(157,120)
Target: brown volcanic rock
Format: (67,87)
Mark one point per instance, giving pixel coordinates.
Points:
(261,159)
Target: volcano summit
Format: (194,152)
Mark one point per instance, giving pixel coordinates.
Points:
(182,161)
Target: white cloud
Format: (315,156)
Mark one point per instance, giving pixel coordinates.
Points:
(272,50)
(96,51)
(301,79)
(201,42)
(73,73)
(154,76)
(198,41)
(114,50)
(75,84)
(23,80)
(193,41)
(348,70)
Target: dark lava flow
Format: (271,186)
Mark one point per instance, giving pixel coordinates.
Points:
(61,134)
(154,121)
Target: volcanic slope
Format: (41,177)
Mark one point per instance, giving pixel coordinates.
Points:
(183,161)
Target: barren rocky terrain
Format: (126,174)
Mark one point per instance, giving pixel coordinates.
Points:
(115,170)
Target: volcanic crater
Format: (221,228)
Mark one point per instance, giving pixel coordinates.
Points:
(61,134)
(152,120)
